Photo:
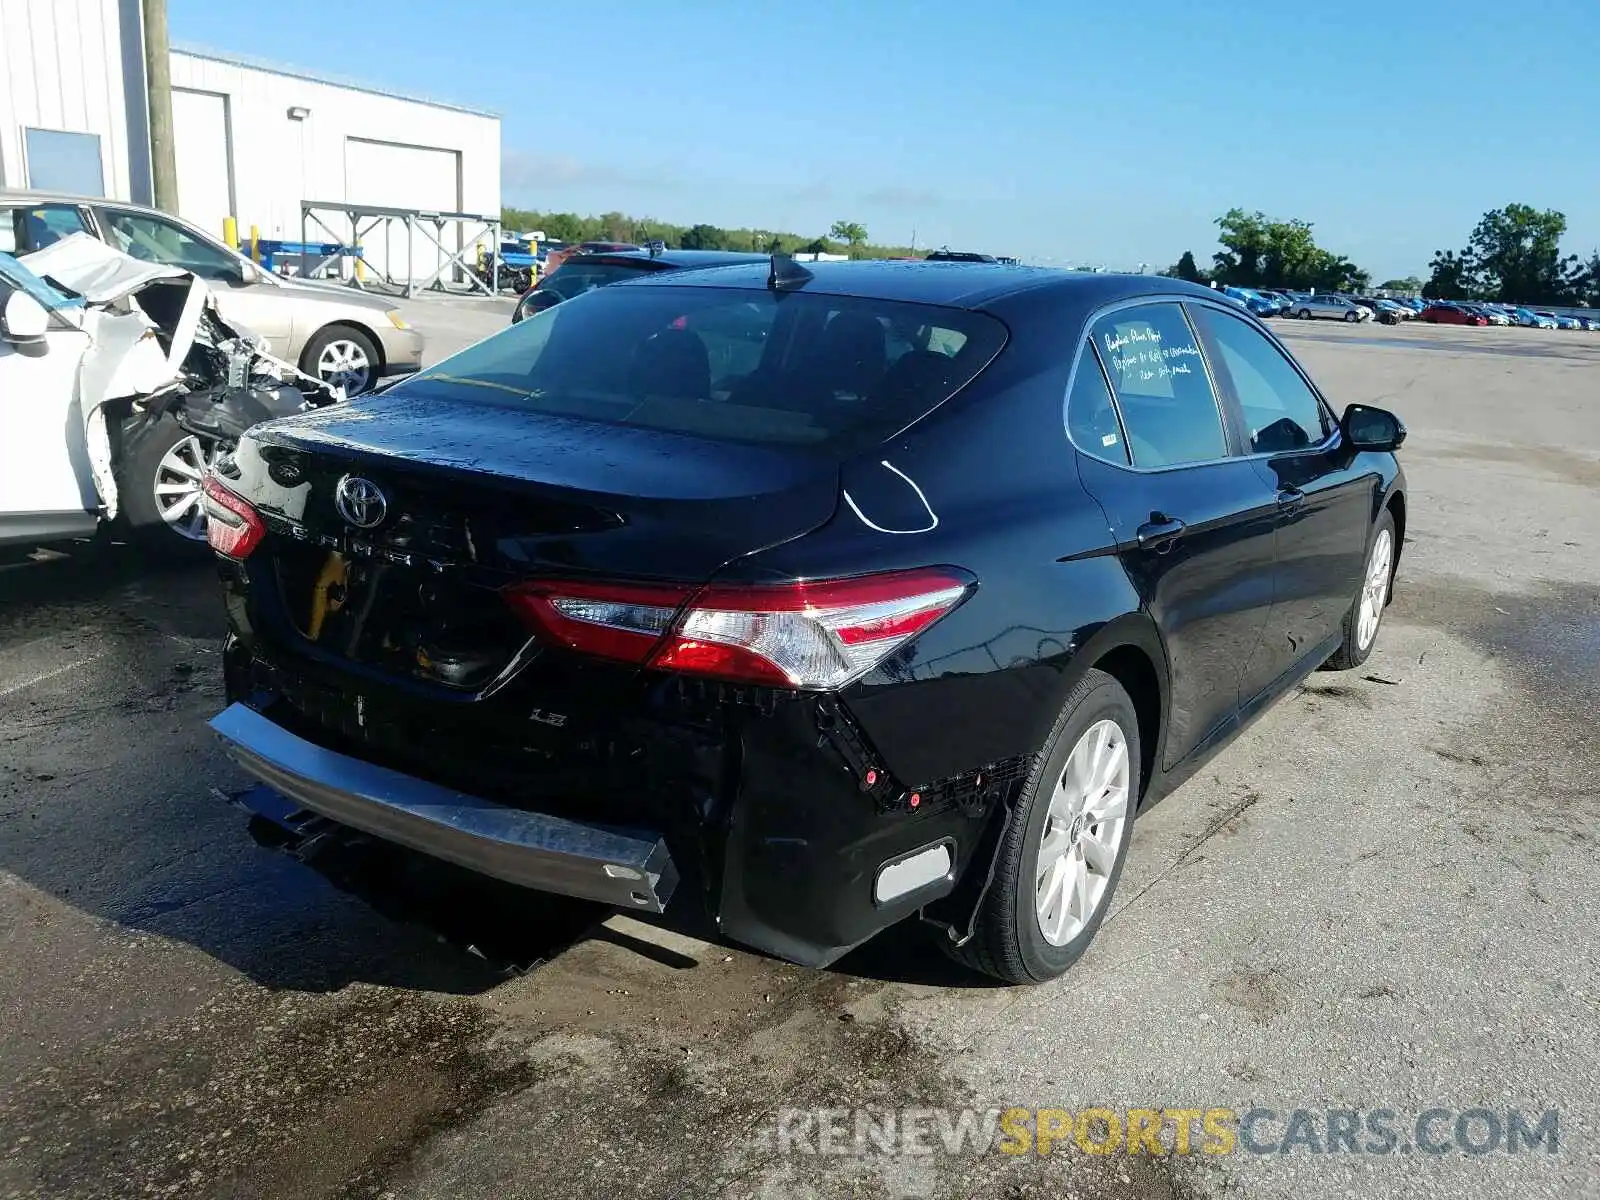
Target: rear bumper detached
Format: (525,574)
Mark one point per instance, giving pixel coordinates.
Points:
(626,868)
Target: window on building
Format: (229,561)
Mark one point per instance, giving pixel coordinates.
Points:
(59,161)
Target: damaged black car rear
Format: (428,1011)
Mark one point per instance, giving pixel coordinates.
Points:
(767,591)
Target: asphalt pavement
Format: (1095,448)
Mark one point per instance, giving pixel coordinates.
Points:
(1380,898)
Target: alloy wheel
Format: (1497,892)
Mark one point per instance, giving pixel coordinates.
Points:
(180,475)
(345,364)
(1082,835)
(1375,588)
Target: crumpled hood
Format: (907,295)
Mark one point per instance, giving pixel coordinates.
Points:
(96,271)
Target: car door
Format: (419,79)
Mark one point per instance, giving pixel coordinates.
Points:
(46,486)
(1194,523)
(1325,497)
(256,305)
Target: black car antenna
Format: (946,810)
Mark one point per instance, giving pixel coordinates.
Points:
(786,273)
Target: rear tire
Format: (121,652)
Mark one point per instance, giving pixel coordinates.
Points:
(1365,615)
(1057,866)
(159,476)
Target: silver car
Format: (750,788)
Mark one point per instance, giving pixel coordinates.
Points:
(345,337)
(1329,308)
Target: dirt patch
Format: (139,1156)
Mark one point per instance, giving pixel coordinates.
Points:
(1564,464)
(1261,992)
(1341,693)
(301,1097)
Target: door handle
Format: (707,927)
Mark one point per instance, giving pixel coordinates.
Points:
(1291,498)
(1159,532)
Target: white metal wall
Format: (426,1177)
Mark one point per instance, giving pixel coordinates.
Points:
(75,66)
(352,145)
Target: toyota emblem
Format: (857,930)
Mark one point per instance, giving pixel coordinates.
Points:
(360,502)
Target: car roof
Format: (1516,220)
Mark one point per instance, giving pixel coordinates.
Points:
(12,195)
(951,284)
(674,258)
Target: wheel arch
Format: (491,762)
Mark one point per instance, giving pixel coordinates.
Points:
(1395,506)
(1129,649)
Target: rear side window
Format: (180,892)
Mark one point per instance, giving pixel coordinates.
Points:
(35,228)
(791,368)
(1091,416)
(1281,412)
(1159,377)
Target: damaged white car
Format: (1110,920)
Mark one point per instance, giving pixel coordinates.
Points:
(119,386)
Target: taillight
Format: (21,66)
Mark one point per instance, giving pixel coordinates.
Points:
(233,527)
(819,634)
(622,621)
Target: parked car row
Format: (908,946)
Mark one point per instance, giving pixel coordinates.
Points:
(1464,312)
(1307,306)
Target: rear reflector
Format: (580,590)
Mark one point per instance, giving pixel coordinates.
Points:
(820,634)
(233,527)
(908,874)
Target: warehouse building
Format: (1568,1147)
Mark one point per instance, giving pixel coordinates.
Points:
(252,140)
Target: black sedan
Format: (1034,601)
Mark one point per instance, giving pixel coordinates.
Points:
(577,273)
(820,599)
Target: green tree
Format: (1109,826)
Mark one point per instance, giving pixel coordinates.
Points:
(851,233)
(1259,251)
(1586,281)
(1451,277)
(819,246)
(704,237)
(1187,268)
(1516,252)
(1409,286)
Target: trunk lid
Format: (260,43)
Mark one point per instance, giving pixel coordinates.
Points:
(460,500)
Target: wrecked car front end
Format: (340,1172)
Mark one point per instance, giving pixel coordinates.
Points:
(157,348)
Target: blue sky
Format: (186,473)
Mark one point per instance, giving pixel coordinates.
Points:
(1051,129)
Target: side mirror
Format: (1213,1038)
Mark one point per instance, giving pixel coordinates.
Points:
(23,320)
(1368,428)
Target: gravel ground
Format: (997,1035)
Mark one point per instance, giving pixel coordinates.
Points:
(1380,897)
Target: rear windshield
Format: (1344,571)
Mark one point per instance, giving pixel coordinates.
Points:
(790,368)
(574,278)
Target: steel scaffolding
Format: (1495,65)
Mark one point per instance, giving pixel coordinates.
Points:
(365,220)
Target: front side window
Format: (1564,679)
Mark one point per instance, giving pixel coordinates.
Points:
(1281,412)
(1159,377)
(154,240)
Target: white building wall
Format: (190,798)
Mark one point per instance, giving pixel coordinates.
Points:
(352,145)
(77,67)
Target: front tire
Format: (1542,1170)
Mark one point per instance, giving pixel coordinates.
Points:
(1352,317)
(343,356)
(1365,615)
(1064,843)
(159,478)
(1305,314)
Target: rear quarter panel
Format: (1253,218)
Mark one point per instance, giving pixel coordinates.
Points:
(989,483)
